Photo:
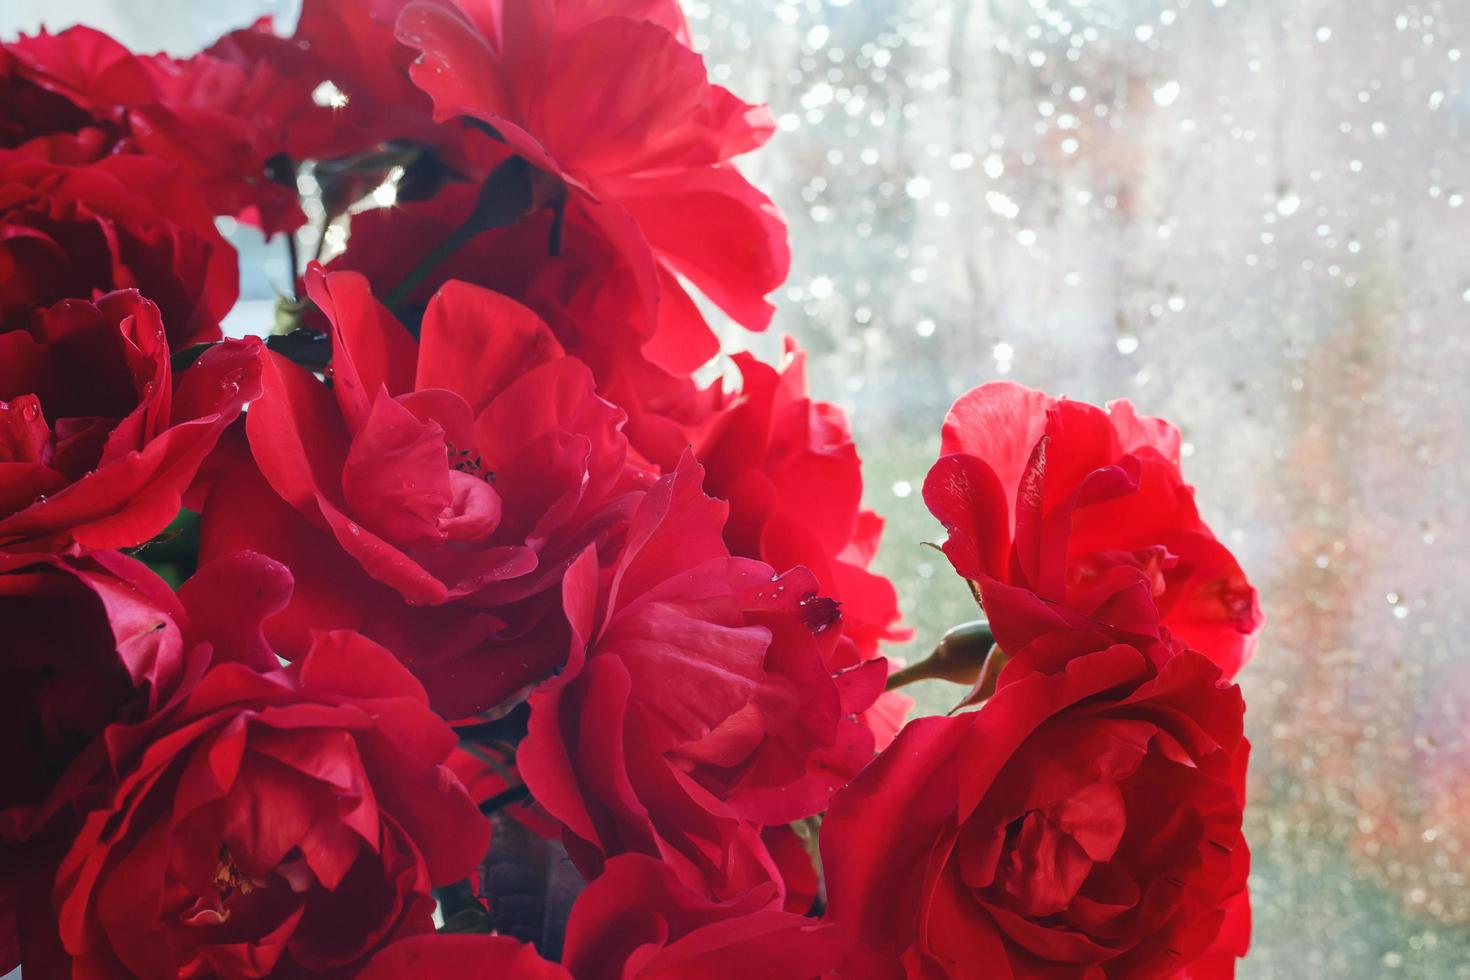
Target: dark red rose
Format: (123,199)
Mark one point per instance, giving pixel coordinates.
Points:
(609,238)
(222,117)
(67,94)
(278,822)
(639,171)
(1085,821)
(97,644)
(239,116)
(638,921)
(98,439)
(1088,507)
(88,642)
(696,702)
(231,117)
(124,222)
(433,495)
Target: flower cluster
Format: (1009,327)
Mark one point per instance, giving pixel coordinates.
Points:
(455,627)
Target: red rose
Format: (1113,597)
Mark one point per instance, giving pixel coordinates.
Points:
(645,169)
(608,238)
(291,820)
(371,96)
(1085,821)
(88,642)
(789,468)
(93,644)
(78,83)
(124,222)
(227,117)
(1088,507)
(432,496)
(66,94)
(98,440)
(220,117)
(637,921)
(696,703)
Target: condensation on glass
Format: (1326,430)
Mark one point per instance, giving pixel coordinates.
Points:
(1249,217)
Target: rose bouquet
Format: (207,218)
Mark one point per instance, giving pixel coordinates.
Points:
(455,628)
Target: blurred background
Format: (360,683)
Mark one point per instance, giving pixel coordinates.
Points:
(1245,215)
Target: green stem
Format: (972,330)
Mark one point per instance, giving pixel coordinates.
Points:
(504,199)
(457,240)
(293,262)
(321,237)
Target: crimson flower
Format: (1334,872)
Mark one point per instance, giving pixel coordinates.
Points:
(629,197)
(89,642)
(696,702)
(287,821)
(1084,821)
(124,222)
(610,100)
(98,439)
(65,93)
(229,118)
(92,645)
(788,466)
(1087,507)
(221,117)
(431,496)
